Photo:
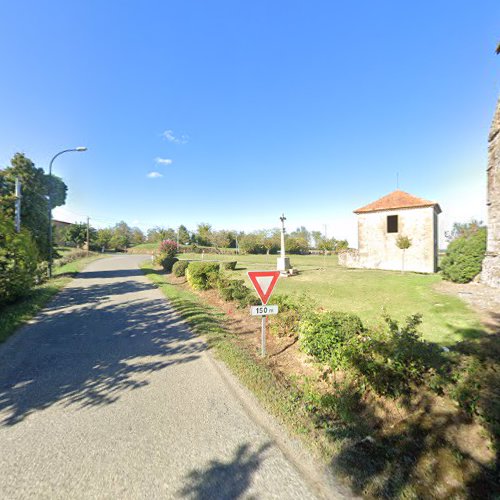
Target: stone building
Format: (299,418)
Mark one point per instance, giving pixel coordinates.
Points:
(379,225)
(491,264)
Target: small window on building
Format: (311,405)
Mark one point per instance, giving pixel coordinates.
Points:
(392,223)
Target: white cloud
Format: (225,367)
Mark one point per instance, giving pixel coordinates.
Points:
(170,137)
(163,161)
(154,175)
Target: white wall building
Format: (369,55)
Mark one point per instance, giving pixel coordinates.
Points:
(379,225)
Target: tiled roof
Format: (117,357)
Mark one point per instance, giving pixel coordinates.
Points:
(397,199)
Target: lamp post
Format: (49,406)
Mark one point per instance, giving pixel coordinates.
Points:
(78,149)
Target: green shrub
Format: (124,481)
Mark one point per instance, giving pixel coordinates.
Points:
(166,262)
(179,268)
(236,290)
(321,334)
(464,257)
(18,262)
(290,312)
(388,359)
(202,275)
(230,266)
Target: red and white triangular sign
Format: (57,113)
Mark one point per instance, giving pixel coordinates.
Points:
(263,282)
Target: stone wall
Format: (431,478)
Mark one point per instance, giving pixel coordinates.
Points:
(491,264)
(378,249)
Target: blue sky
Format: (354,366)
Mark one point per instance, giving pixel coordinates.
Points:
(310,108)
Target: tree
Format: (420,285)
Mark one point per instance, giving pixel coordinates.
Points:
(122,236)
(271,240)
(464,257)
(137,236)
(104,237)
(301,232)
(158,233)
(203,234)
(403,243)
(183,235)
(327,244)
(296,245)
(219,239)
(18,261)
(341,245)
(317,238)
(35,189)
(463,229)
(77,234)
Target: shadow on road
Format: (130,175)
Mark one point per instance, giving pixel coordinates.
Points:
(225,480)
(87,347)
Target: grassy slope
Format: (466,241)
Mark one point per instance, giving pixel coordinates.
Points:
(15,315)
(446,319)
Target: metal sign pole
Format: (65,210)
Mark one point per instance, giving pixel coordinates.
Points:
(264,336)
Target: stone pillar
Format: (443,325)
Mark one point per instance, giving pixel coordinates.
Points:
(491,264)
(283,263)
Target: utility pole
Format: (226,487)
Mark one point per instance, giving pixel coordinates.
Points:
(88,235)
(17,219)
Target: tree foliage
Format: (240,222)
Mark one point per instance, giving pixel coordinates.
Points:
(35,189)
(464,257)
(18,261)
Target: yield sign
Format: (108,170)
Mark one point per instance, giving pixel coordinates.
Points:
(263,282)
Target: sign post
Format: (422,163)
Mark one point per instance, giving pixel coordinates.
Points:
(264,282)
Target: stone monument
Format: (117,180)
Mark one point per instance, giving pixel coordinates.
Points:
(283,262)
(491,264)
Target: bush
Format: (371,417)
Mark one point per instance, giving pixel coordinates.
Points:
(168,248)
(236,290)
(322,333)
(464,257)
(166,262)
(230,266)
(18,262)
(290,312)
(202,275)
(179,268)
(388,360)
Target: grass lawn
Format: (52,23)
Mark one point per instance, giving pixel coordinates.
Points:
(15,315)
(446,319)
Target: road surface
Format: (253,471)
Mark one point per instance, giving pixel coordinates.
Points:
(108,395)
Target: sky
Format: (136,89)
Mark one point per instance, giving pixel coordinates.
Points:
(233,112)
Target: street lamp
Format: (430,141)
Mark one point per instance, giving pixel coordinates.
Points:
(78,149)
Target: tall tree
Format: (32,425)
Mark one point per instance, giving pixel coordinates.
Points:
(35,189)
(203,234)
(122,236)
(77,234)
(137,236)
(184,236)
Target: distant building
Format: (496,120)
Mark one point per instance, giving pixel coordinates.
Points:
(379,225)
(491,263)
(60,228)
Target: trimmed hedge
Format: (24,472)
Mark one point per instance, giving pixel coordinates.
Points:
(230,266)
(202,275)
(464,257)
(179,268)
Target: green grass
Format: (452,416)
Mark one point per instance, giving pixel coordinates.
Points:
(15,315)
(283,400)
(396,465)
(446,318)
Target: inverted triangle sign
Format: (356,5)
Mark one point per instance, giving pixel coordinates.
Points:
(263,282)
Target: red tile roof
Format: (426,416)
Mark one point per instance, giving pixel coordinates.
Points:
(397,199)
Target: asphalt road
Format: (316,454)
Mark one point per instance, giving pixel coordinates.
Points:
(108,395)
